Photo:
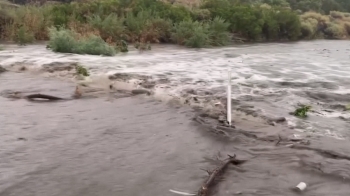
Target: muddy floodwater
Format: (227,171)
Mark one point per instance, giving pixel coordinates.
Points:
(144,145)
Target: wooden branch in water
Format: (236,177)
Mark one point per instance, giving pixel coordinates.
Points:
(32,97)
(204,190)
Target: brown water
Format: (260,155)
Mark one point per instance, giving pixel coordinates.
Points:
(104,144)
(269,78)
(139,146)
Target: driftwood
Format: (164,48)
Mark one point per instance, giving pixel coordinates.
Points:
(32,97)
(204,190)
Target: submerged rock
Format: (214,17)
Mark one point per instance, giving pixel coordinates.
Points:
(23,68)
(140,91)
(127,76)
(59,66)
(222,119)
(278,120)
(2,69)
(148,84)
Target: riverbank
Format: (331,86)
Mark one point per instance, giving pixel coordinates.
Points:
(110,26)
(88,147)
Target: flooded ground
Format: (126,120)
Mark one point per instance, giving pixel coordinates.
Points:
(141,146)
(138,145)
(270,78)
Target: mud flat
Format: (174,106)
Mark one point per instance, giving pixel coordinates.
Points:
(121,144)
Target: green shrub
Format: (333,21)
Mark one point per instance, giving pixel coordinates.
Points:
(218,31)
(202,34)
(334,30)
(23,36)
(192,34)
(1,47)
(60,14)
(175,13)
(309,28)
(143,46)
(302,111)
(122,46)
(93,45)
(201,14)
(80,70)
(337,15)
(289,24)
(110,27)
(136,24)
(347,27)
(161,29)
(63,40)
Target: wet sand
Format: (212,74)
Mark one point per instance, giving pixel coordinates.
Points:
(139,146)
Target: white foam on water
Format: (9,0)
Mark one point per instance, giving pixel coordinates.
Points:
(256,69)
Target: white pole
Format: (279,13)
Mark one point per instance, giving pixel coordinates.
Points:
(229,98)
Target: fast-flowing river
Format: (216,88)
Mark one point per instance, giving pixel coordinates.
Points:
(142,146)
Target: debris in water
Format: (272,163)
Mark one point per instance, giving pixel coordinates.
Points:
(217,103)
(180,192)
(2,69)
(32,97)
(77,92)
(204,190)
(302,111)
(301,186)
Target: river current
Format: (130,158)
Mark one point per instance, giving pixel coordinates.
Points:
(108,144)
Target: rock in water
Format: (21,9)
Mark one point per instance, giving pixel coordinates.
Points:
(222,119)
(140,91)
(2,69)
(59,66)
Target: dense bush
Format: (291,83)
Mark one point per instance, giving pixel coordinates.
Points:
(66,41)
(107,26)
(334,26)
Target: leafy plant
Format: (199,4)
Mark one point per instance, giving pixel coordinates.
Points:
(347,107)
(63,40)
(193,34)
(143,46)
(80,70)
(23,36)
(218,30)
(122,46)
(302,111)
(110,27)
(93,45)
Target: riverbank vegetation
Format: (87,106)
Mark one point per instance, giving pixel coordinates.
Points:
(108,26)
